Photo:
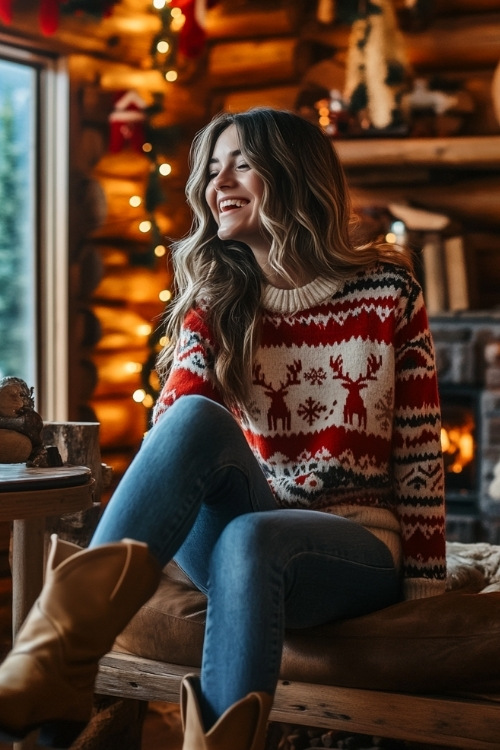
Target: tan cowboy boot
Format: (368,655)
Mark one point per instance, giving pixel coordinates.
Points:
(241,727)
(47,680)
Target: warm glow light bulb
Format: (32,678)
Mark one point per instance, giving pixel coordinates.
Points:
(165,295)
(164,169)
(390,237)
(159,4)
(132,367)
(147,147)
(171,76)
(163,47)
(139,395)
(144,329)
(135,201)
(145,226)
(160,251)
(148,401)
(164,341)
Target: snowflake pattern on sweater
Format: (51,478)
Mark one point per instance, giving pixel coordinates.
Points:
(344,411)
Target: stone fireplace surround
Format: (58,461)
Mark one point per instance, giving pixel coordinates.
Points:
(467,348)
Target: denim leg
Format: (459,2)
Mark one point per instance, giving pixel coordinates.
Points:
(193,474)
(284,568)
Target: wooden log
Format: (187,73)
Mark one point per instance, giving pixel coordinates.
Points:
(459,152)
(78,445)
(122,329)
(125,164)
(123,228)
(257,61)
(278,97)
(131,286)
(224,24)
(123,422)
(119,372)
(472,201)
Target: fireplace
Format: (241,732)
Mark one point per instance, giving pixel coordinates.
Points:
(468,362)
(460,415)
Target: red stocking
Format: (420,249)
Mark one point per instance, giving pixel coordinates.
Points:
(49,15)
(6,11)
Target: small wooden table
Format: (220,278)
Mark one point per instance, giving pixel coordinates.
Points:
(27,497)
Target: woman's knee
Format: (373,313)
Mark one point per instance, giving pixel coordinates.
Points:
(245,545)
(195,418)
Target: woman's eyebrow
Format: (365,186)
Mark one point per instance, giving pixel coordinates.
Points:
(237,152)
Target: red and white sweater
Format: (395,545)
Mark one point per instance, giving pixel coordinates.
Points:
(344,415)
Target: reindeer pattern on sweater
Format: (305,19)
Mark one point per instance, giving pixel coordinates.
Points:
(344,409)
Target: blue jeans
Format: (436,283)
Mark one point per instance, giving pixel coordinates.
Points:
(195,492)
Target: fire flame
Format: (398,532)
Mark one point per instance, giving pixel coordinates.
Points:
(457,442)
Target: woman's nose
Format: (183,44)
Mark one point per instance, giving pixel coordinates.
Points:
(224,178)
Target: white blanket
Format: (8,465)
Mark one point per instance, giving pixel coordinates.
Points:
(473,567)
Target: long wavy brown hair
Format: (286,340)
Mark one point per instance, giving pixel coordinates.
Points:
(306,214)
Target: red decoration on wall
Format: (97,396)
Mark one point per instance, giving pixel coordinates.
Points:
(6,11)
(49,16)
(192,36)
(127,123)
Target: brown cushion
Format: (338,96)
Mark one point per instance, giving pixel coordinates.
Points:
(445,643)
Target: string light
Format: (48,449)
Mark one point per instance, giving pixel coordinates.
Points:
(163,52)
(145,226)
(144,329)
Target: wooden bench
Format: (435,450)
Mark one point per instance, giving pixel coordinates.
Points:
(447,721)
(369,675)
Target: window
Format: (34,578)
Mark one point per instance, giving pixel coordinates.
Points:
(33,224)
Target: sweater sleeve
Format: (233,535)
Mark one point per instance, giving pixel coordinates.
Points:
(192,370)
(418,464)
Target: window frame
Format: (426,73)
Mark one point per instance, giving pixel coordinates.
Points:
(51,308)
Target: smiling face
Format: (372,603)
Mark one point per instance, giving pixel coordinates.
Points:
(234,193)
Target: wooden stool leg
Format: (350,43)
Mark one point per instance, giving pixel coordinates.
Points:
(27,567)
(28,547)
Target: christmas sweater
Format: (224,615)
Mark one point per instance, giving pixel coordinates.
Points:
(344,411)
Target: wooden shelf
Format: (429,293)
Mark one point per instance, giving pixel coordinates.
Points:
(458,152)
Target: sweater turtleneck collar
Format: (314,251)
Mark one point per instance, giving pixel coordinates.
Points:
(295,300)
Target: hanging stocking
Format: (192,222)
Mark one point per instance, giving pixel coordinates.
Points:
(49,16)
(6,11)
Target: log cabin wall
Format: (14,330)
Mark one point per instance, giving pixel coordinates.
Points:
(257,53)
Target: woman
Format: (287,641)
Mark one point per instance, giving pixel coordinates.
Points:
(294,468)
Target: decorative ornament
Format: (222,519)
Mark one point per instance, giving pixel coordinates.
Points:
(21,427)
(6,11)
(192,36)
(127,123)
(376,64)
(49,16)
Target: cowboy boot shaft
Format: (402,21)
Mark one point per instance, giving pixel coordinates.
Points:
(87,599)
